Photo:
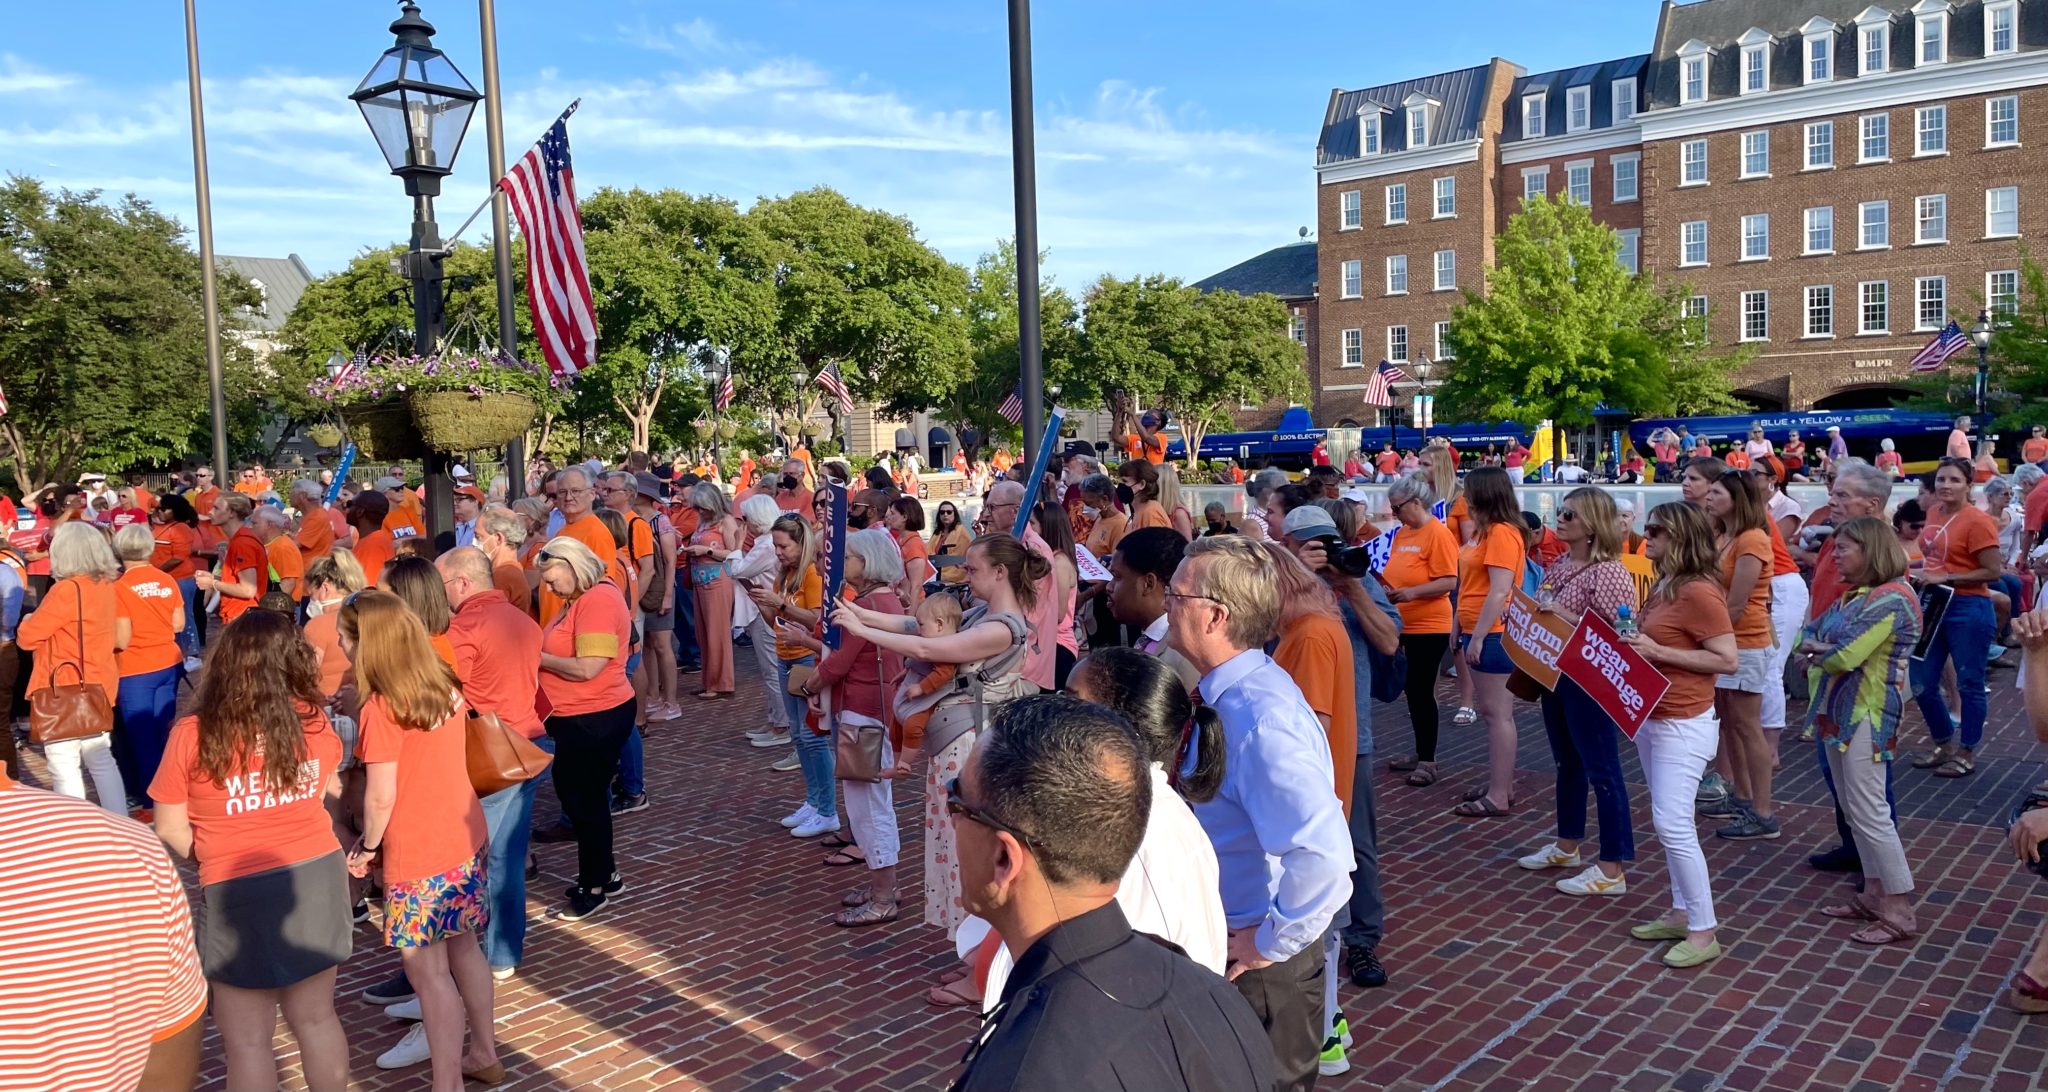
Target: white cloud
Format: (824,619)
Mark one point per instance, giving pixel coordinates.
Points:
(695,38)
(19,77)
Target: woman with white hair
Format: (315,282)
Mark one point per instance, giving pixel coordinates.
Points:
(73,635)
(1889,459)
(711,545)
(500,532)
(756,570)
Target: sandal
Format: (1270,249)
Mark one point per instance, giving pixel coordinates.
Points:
(1927,760)
(2027,996)
(859,896)
(1479,793)
(1481,808)
(835,840)
(1424,775)
(1465,715)
(843,859)
(1403,765)
(1958,765)
(1853,910)
(947,995)
(871,913)
(1884,931)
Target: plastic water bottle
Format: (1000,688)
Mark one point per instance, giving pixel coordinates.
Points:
(1625,622)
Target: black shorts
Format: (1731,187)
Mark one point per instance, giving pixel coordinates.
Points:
(276,928)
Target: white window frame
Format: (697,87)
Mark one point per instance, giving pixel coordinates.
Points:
(1820,228)
(1578,181)
(1921,300)
(1826,147)
(1818,53)
(1397,274)
(1624,104)
(1756,228)
(1756,145)
(1874,127)
(1352,344)
(1882,303)
(1689,309)
(1578,109)
(2010,10)
(1297,328)
(2001,303)
(1756,61)
(1351,278)
(1874,41)
(1534,108)
(1440,282)
(1762,299)
(1993,197)
(1692,233)
(1443,341)
(1442,189)
(1634,176)
(1695,72)
(1686,162)
(1820,303)
(1882,223)
(1930,120)
(1991,121)
(1930,28)
(1397,194)
(1369,134)
(1539,177)
(1631,253)
(1399,356)
(1922,218)
(1350,210)
(1420,117)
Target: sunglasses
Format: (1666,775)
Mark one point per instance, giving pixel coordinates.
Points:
(956,805)
(1653,530)
(546,558)
(1566,515)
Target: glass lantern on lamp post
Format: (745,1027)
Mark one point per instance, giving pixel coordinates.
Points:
(1980,336)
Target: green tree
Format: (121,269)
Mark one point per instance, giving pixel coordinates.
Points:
(1136,334)
(102,333)
(992,331)
(2018,359)
(1244,354)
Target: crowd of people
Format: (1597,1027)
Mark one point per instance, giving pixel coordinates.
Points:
(1184,750)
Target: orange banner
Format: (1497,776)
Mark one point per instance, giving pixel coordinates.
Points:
(1535,638)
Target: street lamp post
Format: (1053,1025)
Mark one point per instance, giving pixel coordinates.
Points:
(1422,396)
(418,105)
(1980,335)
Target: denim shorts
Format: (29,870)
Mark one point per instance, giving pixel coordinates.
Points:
(1493,656)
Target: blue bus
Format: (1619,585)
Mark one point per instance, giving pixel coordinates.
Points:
(1919,437)
(1290,445)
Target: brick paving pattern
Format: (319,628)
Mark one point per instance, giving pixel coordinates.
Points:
(719,969)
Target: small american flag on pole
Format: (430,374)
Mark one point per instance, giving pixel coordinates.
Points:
(1379,390)
(1012,408)
(358,360)
(1950,341)
(724,400)
(830,379)
(541,189)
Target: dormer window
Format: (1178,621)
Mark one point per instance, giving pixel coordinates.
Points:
(262,307)
(1930,32)
(1624,99)
(1578,113)
(2001,27)
(1532,114)
(1368,131)
(1819,37)
(1873,41)
(1421,118)
(1693,60)
(1756,62)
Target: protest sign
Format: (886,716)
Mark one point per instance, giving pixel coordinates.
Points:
(1535,638)
(348,462)
(1091,570)
(1613,674)
(835,556)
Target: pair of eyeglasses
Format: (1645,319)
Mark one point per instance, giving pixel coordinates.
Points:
(1171,594)
(1566,515)
(956,805)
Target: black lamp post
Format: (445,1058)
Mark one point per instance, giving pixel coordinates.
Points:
(1422,397)
(418,105)
(1980,335)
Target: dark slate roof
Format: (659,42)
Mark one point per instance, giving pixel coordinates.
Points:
(1600,77)
(1718,23)
(1462,93)
(284,280)
(1288,272)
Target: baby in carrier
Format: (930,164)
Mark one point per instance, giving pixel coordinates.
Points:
(924,683)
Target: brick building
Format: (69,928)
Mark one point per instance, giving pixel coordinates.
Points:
(1834,180)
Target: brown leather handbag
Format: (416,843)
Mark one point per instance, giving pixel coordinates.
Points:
(63,711)
(498,757)
(857,748)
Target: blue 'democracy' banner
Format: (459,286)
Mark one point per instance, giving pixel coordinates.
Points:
(835,556)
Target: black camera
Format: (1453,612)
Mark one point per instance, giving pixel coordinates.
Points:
(1352,561)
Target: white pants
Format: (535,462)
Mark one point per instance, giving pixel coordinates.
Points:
(1788,613)
(871,806)
(96,753)
(1674,754)
(766,658)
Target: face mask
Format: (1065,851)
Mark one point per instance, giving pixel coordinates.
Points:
(1125,496)
(315,608)
(1090,512)
(789,482)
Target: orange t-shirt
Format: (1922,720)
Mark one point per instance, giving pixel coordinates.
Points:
(2034,450)
(916,568)
(288,563)
(1952,545)
(639,538)
(1136,447)
(323,632)
(1737,459)
(809,595)
(598,623)
(1501,547)
(203,500)
(374,552)
(315,538)
(246,826)
(245,553)
(52,633)
(435,823)
(174,544)
(1420,555)
(1149,514)
(147,597)
(1753,625)
(1697,614)
(444,648)
(508,576)
(405,514)
(1455,517)
(1316,652)
(1388,462)
(590,531)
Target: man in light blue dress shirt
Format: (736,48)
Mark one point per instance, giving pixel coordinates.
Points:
(1282,846)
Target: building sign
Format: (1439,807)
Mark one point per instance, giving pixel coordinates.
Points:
(1878,364)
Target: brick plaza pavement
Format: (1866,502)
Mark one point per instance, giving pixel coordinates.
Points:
(719,969)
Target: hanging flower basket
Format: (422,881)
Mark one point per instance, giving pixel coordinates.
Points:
(702,429)
(461,421)
(326,434)
(727,430)
(813,429)
(404,407)
(383,429)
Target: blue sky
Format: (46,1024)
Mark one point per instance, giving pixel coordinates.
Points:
(1172,137)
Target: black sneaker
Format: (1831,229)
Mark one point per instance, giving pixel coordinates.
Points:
(390,991)
(532,867)
(360,912)
(613,888)
(627,805)
(581,905)
(1363,964)
(1750,827)
(554,834)
(1838,859)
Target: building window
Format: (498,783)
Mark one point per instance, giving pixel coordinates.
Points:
(1877,138)
(1930,218)
(1692,163)
(1624,99)
(1820,311)
(1354,348)
(1933,36)
(1535,182)
(1369,135)
(2001,27)
(1443,341)
(1874,316)
(1397,275)
(1756,236)
(1631,250)
(1578,182)
(1298,328)
(1627,171)
(1397,344)
(1532,115)
(1348,212)
(1446,269)
(1755,68)
(1756,155)
(1578,112)
(1931,308)
(1446,197)
(1820,145)
(2002,121)
(2002,291)
(1354,279)
(1877,47)
(1695,86)
(1418,125)
(1692,310)
(2001,211)
(1820,230)
(1930,123)
(1692,243)
(1874,219)
(1397,203)
(1756,316)
(1820,57)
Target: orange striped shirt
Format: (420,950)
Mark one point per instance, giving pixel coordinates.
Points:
(83,1000)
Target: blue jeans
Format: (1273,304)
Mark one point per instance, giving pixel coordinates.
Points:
(633,765)
(189,640)
(814,752)
(507,814)
(1586,745)
(686,625)
(1965,636)
(144,708)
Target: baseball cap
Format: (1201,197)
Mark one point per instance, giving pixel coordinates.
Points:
(1834,428)
(470,491)
(1356,495)
(389,482)
(648,485)
(1308,521)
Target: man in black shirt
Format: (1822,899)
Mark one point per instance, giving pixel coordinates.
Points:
(1049,810)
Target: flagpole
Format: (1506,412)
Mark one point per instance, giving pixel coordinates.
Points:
(501,231)
(209,293)
(497,171)
(1024,164)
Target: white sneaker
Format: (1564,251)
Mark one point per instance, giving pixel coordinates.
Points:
(193,663)
(405,1010)
(1593,882)
(779,740)
(799,817)
(786,763)
(410,1051)
(503,973)
(1549,857)
(814,826)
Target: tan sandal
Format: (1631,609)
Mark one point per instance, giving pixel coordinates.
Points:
(1424,775)
(1927,760)
(872,912)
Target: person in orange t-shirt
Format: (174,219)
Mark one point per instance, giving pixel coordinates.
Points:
(287,566)
(74,626)
(1742,524)
(1489,569)
(148,600)
(2035,449)
(316,528)
(1959,548)
(575,496)
(404,517)
(245,567)
(1421,574)
(1149,442)
(375,546)
(203,493)
(1315,652)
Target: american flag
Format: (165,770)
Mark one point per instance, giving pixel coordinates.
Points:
(1379,390)
(724,400)
(542,192)
(1012,409)
(358,360)
(3,403)
(830,379)
(1950,341)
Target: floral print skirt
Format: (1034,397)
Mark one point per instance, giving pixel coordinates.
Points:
(418,913)
(942,904)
